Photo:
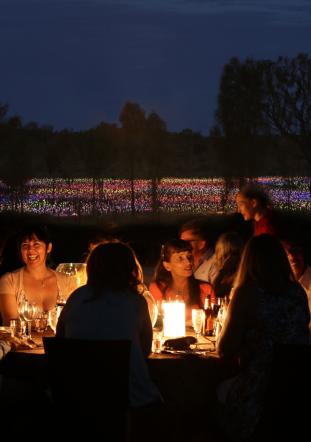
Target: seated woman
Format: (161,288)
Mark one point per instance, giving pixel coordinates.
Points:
(228,251)
(35,281)
(141,288)
(266,308)
(110,306)
(174,279)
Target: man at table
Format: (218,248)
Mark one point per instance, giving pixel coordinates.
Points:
(301,270)
(193,231)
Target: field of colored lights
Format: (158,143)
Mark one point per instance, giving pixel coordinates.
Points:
(79,197)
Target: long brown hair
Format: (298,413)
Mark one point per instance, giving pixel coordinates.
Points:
(114,267)
(264,263)
(228,245)
(163,277)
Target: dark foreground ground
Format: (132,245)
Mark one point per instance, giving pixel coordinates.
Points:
(144,233)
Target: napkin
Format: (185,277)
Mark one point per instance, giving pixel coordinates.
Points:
(182,343)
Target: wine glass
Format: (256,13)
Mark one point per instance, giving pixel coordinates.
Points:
(198,318)
(152,307)
(53,316)
(76,271)
(222,313)
(28,311)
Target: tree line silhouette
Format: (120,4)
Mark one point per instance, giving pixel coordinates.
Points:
(262,127)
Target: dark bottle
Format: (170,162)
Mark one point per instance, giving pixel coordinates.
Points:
(217,306)
(209,317)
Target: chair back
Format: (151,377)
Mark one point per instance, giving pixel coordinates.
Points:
(89,382)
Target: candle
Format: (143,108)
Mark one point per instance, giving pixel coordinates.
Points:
(174,319)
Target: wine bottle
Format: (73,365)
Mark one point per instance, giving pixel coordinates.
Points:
(209,317)
(217,306)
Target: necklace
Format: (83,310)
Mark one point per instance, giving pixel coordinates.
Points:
(181,291)
(43,280)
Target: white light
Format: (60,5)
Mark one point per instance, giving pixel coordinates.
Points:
(174,319)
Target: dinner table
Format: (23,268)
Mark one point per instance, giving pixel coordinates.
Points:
(186,379)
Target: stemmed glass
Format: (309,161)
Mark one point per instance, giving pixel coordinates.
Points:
(76,271)
(53,315)
(28,312)
(198,317)
(152,307)
(221,316)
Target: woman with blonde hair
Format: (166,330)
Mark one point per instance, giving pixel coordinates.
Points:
(228,251)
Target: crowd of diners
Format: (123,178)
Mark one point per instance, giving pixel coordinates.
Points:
(265,281)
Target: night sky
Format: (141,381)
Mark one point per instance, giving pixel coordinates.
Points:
(74,63)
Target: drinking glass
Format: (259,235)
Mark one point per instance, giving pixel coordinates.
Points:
(28,312)
(157,341)
(53,315)
(41,322)
(198,318)
(222,313)
(18,328)
(152,307)
(76,271)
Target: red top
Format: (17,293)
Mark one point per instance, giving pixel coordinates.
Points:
(267,224)
(160,295)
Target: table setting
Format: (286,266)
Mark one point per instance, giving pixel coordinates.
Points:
(172,336)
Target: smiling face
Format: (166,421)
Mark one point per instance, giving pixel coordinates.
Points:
(180,264)
(295,258)
(33,251)
(247,207)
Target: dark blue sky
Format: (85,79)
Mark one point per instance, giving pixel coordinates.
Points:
(74,63)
